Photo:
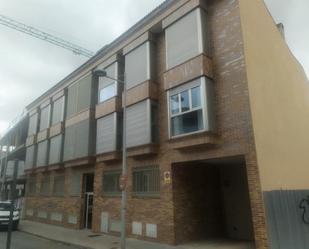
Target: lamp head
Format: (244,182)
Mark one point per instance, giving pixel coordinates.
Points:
(99,73)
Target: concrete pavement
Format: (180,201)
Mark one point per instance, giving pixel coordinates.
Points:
(88,239)
(22,240)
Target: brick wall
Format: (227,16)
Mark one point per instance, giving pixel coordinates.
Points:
(234,136)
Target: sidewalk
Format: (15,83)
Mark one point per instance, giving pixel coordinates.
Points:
(81,237)
(89,240)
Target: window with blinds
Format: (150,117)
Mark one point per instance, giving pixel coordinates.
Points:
(138,65)
(30,161)
(79,96)
(45,118)
(33,124)
(193,40)
(58,110)
(42,154)
(55,150)
(146,181)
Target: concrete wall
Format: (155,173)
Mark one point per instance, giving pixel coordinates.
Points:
(279,99)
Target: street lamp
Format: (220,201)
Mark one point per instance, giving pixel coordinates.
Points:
(102,73)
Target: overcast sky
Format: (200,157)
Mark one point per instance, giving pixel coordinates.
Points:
(28,66)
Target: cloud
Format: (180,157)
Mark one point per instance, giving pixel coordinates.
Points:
(28,67)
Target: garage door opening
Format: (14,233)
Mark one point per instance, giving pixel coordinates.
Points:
(211,202)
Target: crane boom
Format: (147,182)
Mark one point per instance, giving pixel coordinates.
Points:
(8,22)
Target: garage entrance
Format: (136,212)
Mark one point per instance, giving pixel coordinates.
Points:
(211,201)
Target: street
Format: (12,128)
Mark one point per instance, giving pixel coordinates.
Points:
(22,240)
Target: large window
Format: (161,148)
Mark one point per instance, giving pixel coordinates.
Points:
(33,124)
(58,189)
(107,86)
(79,96)
(42,154)
(108,133)
(186,38)
(138,65)
(146,181)
(111,183)
(30,161)
(55,149)
(58,110)
(191,107)
(45,118)
(140,123)
(76,141)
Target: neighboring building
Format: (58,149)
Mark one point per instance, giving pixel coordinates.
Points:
(217,117)
(12,147)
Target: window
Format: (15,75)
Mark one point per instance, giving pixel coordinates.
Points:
(146,181)
(75,184)
(108,130)
(58,110)
(74,134)
(138,65)
(33,124)
(191,107)
(108,92)
(140,123)
(193,40)
(79,96)
(45,120)
(58,189)
(45,184)
(30,157)
(55,149)
(111,183)
(107,86)
(42,154)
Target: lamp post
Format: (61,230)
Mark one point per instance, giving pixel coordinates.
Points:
(102,73)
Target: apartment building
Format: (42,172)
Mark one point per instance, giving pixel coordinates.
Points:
(217,112)
(12,147)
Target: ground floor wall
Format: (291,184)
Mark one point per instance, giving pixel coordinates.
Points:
(157,218)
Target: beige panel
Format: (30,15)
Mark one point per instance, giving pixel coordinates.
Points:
(79,117)
(192,69)
(143,91)
(56,129)
(42,135)
(279,98)
(30,140)
(139,41)
(183,10)
(58,95)
(108,107)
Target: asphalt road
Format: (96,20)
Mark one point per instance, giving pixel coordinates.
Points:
(22,240)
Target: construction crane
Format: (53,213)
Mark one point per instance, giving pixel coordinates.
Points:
(8,22)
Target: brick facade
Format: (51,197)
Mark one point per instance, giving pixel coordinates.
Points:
(233,139)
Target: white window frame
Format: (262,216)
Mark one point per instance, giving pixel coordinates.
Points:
(201,82)
(115,93)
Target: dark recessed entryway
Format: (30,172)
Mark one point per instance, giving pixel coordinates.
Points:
(88,181)
(211,201)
